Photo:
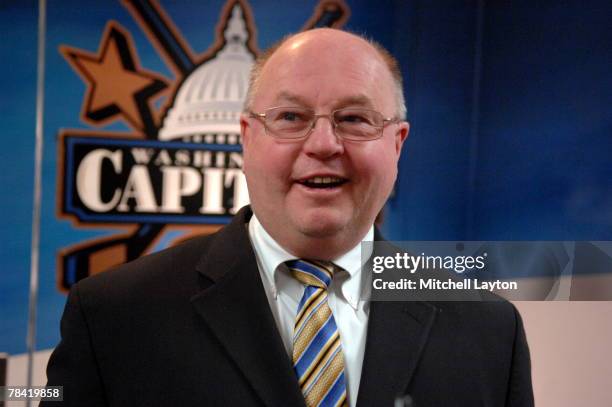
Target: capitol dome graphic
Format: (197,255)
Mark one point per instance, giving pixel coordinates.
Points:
(209,102)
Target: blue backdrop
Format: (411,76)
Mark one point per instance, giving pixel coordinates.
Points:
(509,105)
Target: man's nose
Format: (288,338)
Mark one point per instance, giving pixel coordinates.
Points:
(322,140)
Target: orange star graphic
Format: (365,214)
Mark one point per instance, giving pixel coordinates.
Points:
(116,85)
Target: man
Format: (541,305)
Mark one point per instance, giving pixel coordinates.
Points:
(270,310)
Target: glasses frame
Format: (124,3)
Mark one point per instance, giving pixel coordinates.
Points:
(262,117)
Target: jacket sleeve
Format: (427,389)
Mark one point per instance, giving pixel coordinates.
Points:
(520,391)
(73,363)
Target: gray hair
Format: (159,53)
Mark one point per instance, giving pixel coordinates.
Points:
(388,59)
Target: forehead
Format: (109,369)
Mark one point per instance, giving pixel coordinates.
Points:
(326,70)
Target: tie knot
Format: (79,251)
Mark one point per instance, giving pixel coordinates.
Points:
(312,272)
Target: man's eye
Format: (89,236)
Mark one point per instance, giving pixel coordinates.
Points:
(290,116)
(353,119)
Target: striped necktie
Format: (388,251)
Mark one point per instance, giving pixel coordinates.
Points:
(317,352)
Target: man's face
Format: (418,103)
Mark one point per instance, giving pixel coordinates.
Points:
(322,70)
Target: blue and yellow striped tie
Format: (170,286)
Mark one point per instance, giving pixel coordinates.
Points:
(317,352)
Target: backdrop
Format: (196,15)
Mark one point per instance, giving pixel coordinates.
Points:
(509,106)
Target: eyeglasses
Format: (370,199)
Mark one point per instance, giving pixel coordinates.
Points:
(293,123)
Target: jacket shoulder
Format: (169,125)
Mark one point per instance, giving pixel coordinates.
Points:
(156,274)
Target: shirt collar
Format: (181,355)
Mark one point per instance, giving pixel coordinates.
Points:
(270,255)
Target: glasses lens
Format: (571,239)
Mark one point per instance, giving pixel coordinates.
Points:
(358,124)
(288,122)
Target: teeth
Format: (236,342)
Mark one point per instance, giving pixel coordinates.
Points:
(324,180)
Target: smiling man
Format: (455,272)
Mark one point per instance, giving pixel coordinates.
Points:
(273,309)
(322,139)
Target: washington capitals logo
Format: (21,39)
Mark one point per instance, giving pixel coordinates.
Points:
(178,172)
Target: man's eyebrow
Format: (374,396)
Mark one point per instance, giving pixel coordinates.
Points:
(293,98)
(359,100)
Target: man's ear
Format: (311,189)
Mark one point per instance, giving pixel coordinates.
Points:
(401,134)
(245,130)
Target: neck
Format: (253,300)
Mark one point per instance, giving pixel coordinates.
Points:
(320,248)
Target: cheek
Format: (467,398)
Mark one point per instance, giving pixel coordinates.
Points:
(267,166)
(380,175)
(390,173)
(380,166)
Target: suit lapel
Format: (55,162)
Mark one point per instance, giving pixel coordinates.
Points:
(237,311)
(397,334)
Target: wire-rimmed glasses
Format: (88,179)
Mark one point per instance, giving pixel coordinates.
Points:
(292,123)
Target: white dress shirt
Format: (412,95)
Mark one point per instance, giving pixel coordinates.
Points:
(345,296)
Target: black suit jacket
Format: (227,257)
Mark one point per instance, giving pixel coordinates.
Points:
(191,326)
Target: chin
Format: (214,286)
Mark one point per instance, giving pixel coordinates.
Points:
(322,224)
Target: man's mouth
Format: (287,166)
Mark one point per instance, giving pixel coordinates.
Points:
(323,182)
